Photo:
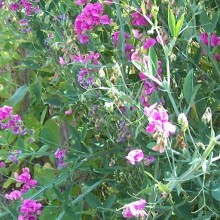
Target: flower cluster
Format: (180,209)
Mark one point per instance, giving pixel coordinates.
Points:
(88,19)
(86,76)
(13,157)
(115,37)
(25,179)
(28,7)
(137,155)
(59,155)
(30,209)
(128,47)
(11,121)
(159,125)
(135,209)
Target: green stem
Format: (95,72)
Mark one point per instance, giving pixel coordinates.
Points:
(189,173)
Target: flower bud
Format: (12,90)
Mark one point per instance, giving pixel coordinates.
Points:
(182,120)
(207,116)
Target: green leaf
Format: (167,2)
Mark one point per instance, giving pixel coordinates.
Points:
(215,191)
(215,20)
(188,86)
(31,64)
(31,122)
(18,95)
(43,176)
(48,213)
(109,201)
(36,89)
(50,134)
(171,22)
(92,201)
(163,188)
(91,185)
(183,211)
(205,22)
(143,7)
(153,62)
(179,25)
(194,92)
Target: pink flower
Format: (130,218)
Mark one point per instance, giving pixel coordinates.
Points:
(115,37)
(135,209)
(90,17)
(30,209)
(139,19)
(149,43)
(217,57)
(128,50)
(81,2)
(14,6)
(204,38)
(14,195)
(69,112)
(159,125)
(215,40)
(25,178)
(83,38)
(62,62)
(60,153)
(136,33)
(5,112)
(135,156)
(2,164)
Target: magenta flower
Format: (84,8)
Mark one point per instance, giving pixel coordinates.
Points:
(88,19)
(5,112)
(82,2)
(14,6)
(135,209)
(30,209)
(217,57)
(204,38)
(115,37)
(25,178)
(139,19)
(60,153)
(2,164)
(135,156)
(14,195)
(215,40)
(83,38)
(149,43)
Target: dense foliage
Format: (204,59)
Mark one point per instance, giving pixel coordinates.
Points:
(109,109)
